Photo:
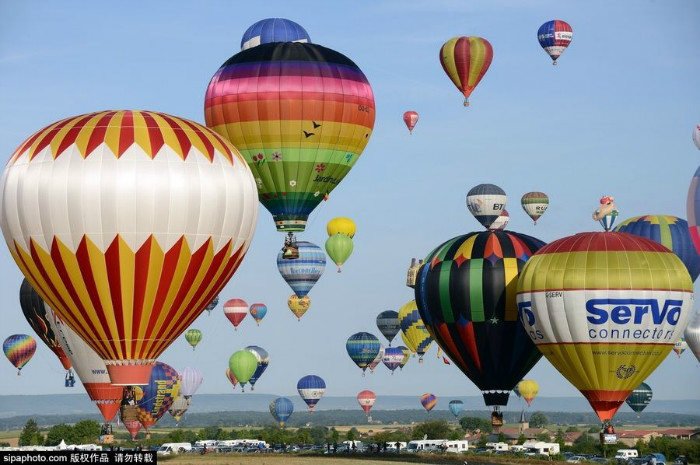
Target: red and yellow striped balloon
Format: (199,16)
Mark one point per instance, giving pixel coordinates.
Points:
(127,223)
(605,309)
(466,60)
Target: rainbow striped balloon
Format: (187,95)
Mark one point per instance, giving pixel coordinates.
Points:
(19,349)
(605,308)
(301,115)
(428,401)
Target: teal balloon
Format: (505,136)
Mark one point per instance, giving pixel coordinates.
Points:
(640,398)
(339,247)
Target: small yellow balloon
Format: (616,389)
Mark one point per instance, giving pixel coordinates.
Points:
(528,389)
(298,306)
(344,226)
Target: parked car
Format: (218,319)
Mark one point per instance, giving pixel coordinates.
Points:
(576,459)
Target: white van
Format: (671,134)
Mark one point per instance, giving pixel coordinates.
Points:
(174,448)
(541,448)
(626,454)
(425,445)
(500,446)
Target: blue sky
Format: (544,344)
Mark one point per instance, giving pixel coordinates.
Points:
(615,117)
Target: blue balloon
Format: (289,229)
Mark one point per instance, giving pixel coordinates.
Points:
(311,389)
(671,232)
(263,361)
(303,272)
(273,30)
(281,409)
(363,349)
(456,406)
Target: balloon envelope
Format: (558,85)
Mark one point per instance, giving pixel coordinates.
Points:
(339,247)
(393,356)
(281,409)
(235,310)
(456,406)
(554,36)
(193,337)
(158,394)
(428,401)
(410,118)
(466,293)
(671,232)
(501,222)
(125,237)
(528,390)
(263,360)
(19,349)
(212,305)
(179,407)
(605,308)
(535,204)
(298,305)
(378,359)
(388,324)
(362,348)
(301,115)
(366,399)
(311,389)
(414,332)
(270,30)
(692,333)
(190,380)
(36,315)
(486,202)
(465,60)
(696,136)
(258,311)
(640,398)
(302,273)
(243,364)
(341,225)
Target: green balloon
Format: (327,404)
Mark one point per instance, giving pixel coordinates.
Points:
(193,336)
(339,247)
(243,365)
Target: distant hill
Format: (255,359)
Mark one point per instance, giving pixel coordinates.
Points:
(77,404)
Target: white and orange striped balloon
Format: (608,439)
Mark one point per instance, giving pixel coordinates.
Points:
(127,223)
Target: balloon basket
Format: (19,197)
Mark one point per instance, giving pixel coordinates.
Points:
(554,63)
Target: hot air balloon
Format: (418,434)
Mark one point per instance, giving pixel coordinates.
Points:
(415,334)
(378,359)
(466,296)
(263,360)
(302,273)
(311,389)
(235,310)
(693,209)
(393,356)
(158,394)
(190,380)
(466,60)
(366,399)
(362,348)
(671,232)
(528,389)
(281,409)
(516,390)
(243,364)
(258,312)
(696,136)
(212,305)
(486,202)
(298,305)
(341,225)
(125,237)
(339,247)
(605,309)
(428,401)
(301,115)
(270,30)
(411,119)
(193,337)
(179,407)
(231,378)
(129,412)
(388,324)
(535,204)
(456,406)
(501,222)
(36,315)
(692,333)
(640,398)
(680,346)
(89,367)
(607,213)
(554,37)
(19,349)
